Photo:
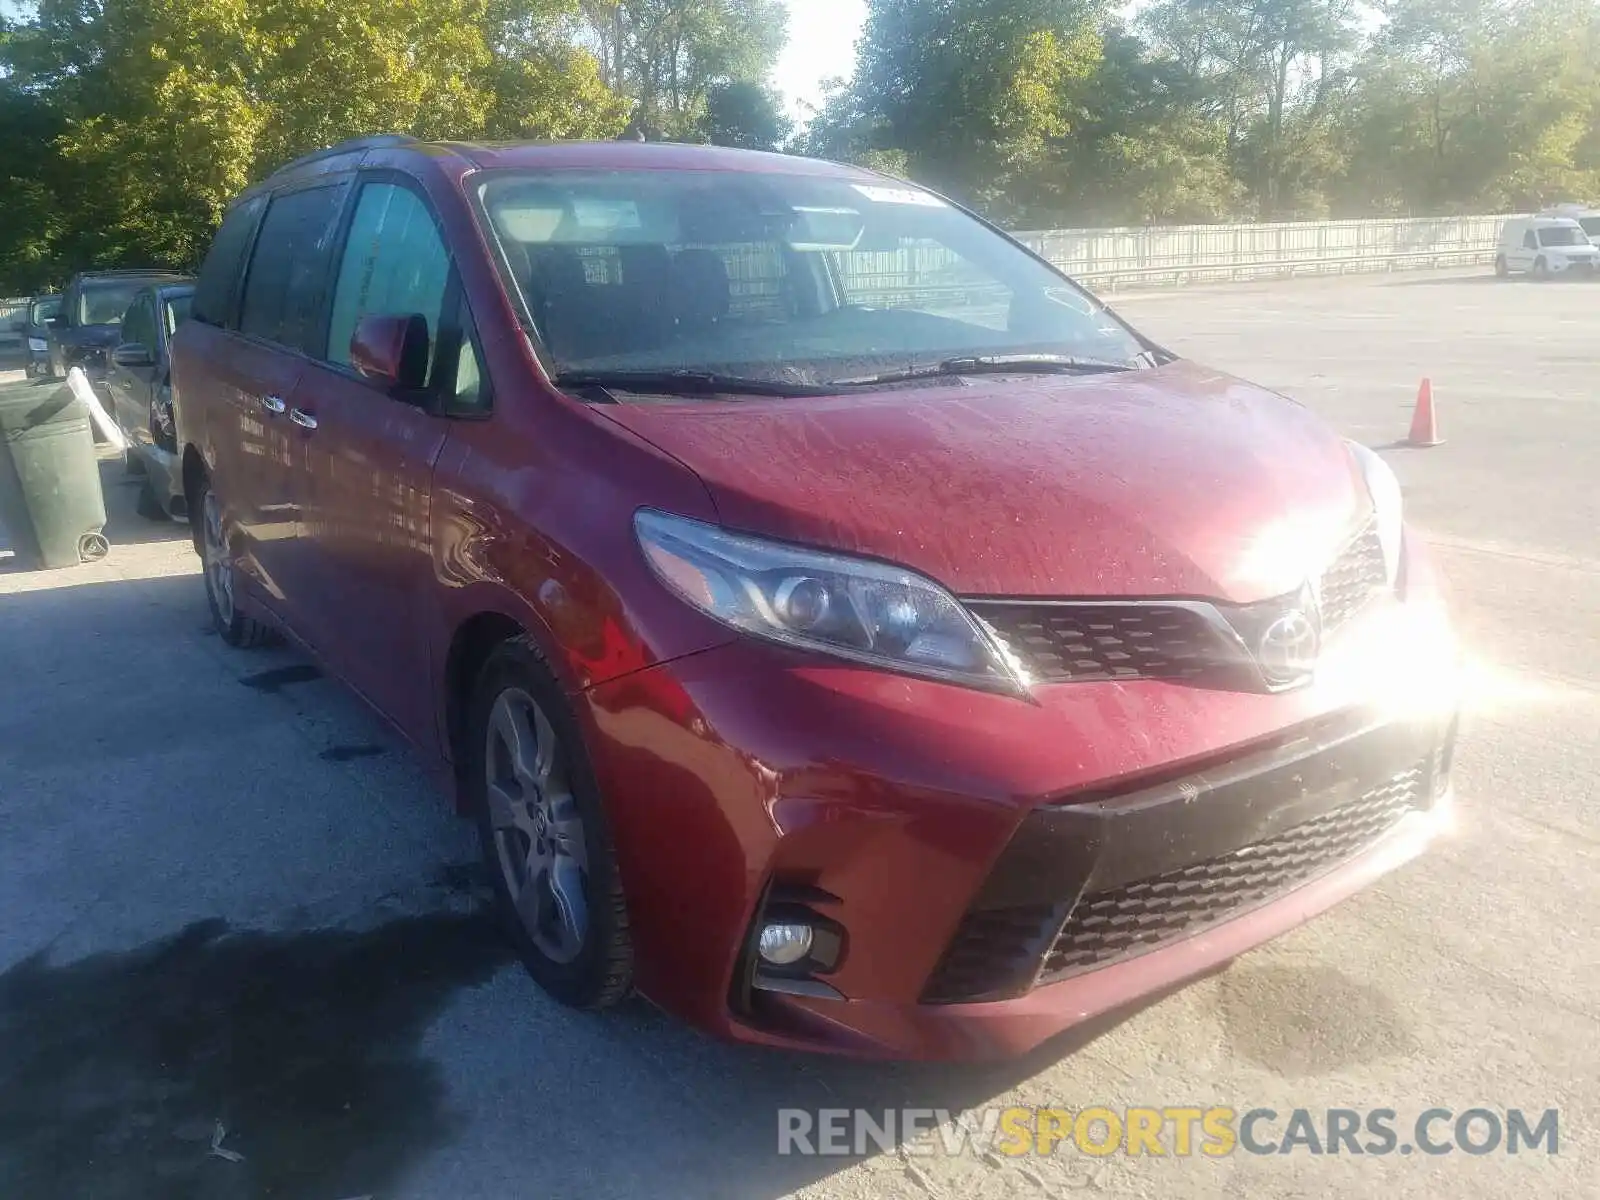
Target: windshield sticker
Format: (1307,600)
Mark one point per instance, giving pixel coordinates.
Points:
(894,195)
(593,213)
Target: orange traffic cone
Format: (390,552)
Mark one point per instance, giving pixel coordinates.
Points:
(1424,425)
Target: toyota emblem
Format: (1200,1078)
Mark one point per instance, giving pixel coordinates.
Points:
(1289,648)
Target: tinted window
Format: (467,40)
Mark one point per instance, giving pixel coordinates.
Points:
(394,264)
(139,325)
(283,292)
(176,311)
(104,303)
(1530,242)
(1562,235)
(43,310)
(219,277)
(469,389)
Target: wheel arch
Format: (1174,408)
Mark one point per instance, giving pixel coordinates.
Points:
(194,471)
(473,641)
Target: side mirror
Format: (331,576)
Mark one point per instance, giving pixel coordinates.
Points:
(132,354)
(392,350)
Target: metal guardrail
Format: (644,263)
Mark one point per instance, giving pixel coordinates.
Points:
(10,310)
(1186,253)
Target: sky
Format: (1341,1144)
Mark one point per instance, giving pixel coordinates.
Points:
(822,39)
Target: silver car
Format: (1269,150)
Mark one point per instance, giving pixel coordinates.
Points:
(139,383)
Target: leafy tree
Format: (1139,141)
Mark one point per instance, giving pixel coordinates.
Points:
(746,115)
(165,109)
(667,55)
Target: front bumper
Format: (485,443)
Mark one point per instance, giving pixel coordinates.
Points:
(1000,870)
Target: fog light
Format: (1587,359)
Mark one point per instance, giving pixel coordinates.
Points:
(784,945)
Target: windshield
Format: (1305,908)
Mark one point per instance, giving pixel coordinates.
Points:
(785,278)
(104,303)
(1562,235)
(42,310)
(176,311)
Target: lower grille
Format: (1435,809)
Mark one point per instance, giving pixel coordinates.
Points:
(1002,951)
(1143,915)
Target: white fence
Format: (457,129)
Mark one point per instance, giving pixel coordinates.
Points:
(1184,253)
(10,310)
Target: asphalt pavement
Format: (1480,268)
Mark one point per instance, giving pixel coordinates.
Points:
(244,953)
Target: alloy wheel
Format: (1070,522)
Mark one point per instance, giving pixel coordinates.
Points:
(538,832)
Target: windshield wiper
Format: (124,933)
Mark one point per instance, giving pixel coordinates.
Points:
(991,364)
(687,383)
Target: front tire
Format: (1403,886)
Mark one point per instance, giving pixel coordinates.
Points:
(1541,269)
(1501,269)
(217,557)
(544,833)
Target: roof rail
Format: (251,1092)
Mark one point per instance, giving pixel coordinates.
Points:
(380,141)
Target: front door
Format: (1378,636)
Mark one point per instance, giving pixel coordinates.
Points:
(130,387)
(366,495)
(1527,250)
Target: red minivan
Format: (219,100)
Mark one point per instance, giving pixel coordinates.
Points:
(843,628)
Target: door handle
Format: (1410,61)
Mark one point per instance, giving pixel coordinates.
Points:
(273,404)
(303,419)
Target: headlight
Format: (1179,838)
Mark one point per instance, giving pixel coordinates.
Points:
(847,607)
(1384,489)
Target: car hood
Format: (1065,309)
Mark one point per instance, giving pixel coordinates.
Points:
(1177,481)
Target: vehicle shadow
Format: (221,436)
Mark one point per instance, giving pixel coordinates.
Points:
(249,953)
(128,521)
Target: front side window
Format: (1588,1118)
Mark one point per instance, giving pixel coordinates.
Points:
(283,291)
(42,310)
(791,278)
(139,325)
(395,264)
(175,310)
(1562,235)
(1529,241)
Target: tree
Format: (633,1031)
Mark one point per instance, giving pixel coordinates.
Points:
(973,91)
(667,55)
(165,109)
(1276,70)
(746,115)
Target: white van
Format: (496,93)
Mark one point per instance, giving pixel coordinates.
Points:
(1545,246)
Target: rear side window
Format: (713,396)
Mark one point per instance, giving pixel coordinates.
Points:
(283,292)
(219,276)
(395,264)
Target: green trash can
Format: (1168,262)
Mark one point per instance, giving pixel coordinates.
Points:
(50,499)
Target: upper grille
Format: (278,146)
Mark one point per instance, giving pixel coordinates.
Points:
(1075,642)
(1357,575)
(1000,952)
(1140,916)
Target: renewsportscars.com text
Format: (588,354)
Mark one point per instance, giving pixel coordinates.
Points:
(1168,1131)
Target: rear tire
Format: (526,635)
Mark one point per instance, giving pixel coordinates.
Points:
(544,833)
(148,505)
(217,556)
